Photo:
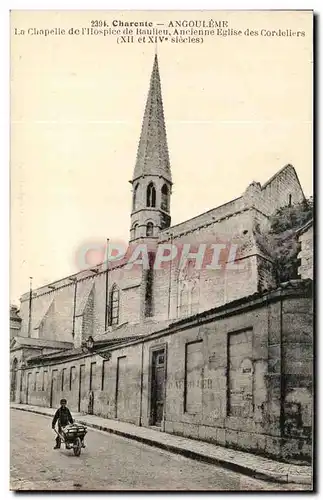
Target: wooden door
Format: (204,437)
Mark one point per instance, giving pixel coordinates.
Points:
(157,387)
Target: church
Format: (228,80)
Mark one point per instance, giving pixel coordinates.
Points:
(220,353)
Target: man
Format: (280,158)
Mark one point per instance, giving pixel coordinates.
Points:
(64,417)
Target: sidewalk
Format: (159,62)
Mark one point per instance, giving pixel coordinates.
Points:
(239,461)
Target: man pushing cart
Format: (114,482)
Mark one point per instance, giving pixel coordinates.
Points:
(70,433)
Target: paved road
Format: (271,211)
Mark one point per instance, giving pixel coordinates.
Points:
(109,462)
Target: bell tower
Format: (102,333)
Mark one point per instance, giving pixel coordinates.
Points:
(152,180)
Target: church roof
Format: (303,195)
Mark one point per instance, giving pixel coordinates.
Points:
(18,342)
(152,154)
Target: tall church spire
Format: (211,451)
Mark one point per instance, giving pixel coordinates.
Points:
(152,155)
(152,181)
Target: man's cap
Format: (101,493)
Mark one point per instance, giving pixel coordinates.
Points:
(63,401)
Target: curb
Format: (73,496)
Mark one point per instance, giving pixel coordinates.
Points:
(242,469)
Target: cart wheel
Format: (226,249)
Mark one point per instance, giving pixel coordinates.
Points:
(77,447)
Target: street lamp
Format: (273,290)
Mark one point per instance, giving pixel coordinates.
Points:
(74,309)
(88,346)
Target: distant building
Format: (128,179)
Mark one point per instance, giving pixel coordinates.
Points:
(15,321)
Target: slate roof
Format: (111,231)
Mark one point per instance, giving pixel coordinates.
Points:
(40,343)
(152,154)
(76,351)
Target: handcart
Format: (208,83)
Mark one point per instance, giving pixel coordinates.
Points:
(73,437)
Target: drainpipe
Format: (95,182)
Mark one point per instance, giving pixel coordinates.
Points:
(165,390)
(20,389)
(74,280)
(30,306)
(141,383)
(170,278)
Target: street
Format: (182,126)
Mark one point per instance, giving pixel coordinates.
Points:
(110,462)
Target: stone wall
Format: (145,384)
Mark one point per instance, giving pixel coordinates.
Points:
(281,190)
(52,310)
(231,281)
(15,322)
(306,239)
(253,382)
(231,224)
(297,345)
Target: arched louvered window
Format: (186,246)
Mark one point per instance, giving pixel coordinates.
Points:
(134,198)
(165,198)
(114,305)
(150,229)
(151,195)
(135,230)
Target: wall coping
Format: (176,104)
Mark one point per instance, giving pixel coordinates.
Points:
(293,288)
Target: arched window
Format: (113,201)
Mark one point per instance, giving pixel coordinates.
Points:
(164,198)
(134,198)
(150,229)
(151,195)
(114,305)
(135,230)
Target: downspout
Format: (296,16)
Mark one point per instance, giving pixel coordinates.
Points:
(30,306)
(165,389)
(141,383)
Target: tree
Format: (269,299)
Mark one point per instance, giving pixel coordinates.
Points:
(281,241)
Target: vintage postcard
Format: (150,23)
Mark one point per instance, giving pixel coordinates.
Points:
(161,303)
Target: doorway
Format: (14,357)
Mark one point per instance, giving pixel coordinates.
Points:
(28,387)
(157,386)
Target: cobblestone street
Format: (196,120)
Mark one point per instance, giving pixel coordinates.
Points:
(110,462)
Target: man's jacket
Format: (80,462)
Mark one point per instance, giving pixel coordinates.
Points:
(63,416)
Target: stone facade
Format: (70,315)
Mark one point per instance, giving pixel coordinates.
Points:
(306,239)
(235,397)
(15,322)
